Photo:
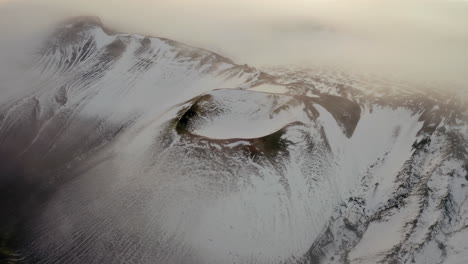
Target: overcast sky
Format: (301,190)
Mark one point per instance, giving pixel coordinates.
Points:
(421,38)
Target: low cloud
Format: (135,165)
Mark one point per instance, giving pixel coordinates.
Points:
(425,40)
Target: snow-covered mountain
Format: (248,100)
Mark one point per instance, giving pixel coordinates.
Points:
(119,148)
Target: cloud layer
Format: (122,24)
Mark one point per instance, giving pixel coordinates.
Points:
(421,39)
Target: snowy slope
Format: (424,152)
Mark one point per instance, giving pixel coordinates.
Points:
(121,148)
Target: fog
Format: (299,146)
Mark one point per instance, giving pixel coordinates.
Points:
(104,156)
(425,40)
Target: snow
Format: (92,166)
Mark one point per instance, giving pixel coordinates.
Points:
(192,197)
(311,94)
(380,237)
(383,136)
(101,39)
(458,248)
(241,116)
(236,144)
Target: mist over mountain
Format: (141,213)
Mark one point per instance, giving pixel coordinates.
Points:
(128,148)
(423,40)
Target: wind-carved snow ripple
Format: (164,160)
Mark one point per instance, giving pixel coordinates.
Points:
(134,154)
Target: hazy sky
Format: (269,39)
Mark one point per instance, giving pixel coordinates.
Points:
(421,38)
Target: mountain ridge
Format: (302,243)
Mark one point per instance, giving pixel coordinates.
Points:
(125,148)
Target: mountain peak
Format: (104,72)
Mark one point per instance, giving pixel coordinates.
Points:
(83,21)
(127,148)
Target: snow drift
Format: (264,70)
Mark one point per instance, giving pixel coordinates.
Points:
(125,148)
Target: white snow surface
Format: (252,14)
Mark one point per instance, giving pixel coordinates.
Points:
(152,194)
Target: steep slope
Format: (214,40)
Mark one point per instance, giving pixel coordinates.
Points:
(122,148)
